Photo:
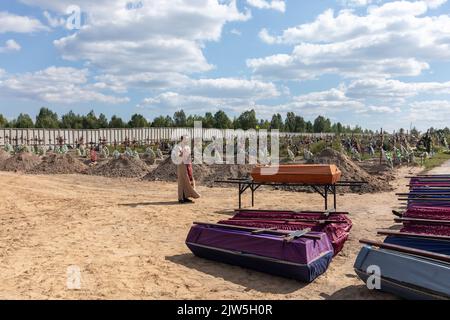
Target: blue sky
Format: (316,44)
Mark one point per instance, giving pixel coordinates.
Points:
(368,62)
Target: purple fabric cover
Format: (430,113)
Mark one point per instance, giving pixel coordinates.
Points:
(337,232)
(302,250)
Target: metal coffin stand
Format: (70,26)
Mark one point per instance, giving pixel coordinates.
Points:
(323,189)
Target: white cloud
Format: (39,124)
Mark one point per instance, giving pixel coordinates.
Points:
(156,36)
(383,89)
(434,4)
(10,22)
(278,5)
(233,88)
(356,3)
(10,45)
(383,109)
(204,94)
(55,85)
(393,39)
(236,32)
(436,112)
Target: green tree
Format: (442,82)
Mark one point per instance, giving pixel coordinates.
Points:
(247,120)
(116,122)
(71,121)
(289,123)
(191,119)
(321,124)
(221,120)
(161,122)
(264,124)
(294,123)
(90,121)
(138,121)
(309,127)
(208,120)
(47,119)
(102,121)
(3,122)
(179,119)
(277,122)
(23,121)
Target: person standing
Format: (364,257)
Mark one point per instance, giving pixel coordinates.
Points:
(186,182)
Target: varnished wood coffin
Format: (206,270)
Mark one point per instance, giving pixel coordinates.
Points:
(301,174)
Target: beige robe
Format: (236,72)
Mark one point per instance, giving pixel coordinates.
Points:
(185,189)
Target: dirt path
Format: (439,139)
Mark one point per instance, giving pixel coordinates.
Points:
(127,238)
(443,169)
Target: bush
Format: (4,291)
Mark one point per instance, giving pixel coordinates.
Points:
(318,147)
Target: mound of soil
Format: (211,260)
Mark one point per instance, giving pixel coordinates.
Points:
(23,162)
(123,167)
(59,164)
(3,156)
(148,159)
(353,172)
(204,174)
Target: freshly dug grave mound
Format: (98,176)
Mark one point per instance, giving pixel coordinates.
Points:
(123,167)
(3,156)
(22,162)
(353,172)
(148,159)
(383,170)
(204,174)
(59,164)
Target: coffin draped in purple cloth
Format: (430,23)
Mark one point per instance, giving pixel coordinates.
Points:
(337,232)
(303,258)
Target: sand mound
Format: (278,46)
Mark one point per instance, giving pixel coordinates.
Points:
(353,172)
(123,167)
(204,174)
(59,164)
(23,161)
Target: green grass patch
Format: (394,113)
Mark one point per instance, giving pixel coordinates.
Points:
(436,161)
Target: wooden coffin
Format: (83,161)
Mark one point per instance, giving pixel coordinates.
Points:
(301,174)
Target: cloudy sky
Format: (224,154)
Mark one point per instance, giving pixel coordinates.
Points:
(368,62)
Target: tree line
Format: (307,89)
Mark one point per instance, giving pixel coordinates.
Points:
(48,119)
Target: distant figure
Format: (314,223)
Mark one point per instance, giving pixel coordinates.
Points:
(186,182)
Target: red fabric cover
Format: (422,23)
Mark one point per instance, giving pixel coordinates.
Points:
(337,232)
(190,172)
(434,229)
(431,213)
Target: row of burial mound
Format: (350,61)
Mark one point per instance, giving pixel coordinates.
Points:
(20,162)
(204,174)
(121,167)
(59,164)
(3,156)
(351,171)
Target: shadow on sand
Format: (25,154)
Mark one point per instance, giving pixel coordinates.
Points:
(252,280)
(227,212)
(157,203)
(359,292)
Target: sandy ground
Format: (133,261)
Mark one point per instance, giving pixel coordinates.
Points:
(127,238)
